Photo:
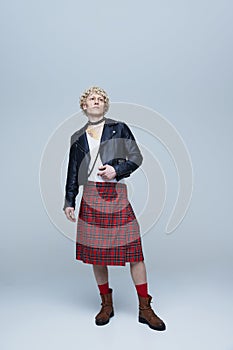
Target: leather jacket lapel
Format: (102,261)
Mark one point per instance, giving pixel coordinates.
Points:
(83,143)
(108,130)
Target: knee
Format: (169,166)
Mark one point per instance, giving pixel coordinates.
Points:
(138,264)
(99,267)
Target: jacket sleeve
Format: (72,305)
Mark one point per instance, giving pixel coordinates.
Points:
(132,152)
(72,187)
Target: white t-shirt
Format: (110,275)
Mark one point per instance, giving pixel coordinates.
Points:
(94,147)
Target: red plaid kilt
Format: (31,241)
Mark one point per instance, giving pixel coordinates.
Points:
(108,232)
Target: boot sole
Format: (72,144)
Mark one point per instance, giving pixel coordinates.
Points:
(143,320)
(99,323)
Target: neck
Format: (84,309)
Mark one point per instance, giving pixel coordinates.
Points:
(95,119)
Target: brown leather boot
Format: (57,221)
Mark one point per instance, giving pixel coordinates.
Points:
(106,311)
(147,315)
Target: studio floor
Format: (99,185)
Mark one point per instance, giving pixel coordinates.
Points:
(59,314)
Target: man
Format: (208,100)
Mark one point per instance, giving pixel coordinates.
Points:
(102,153)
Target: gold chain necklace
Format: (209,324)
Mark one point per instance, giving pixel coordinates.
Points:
(94,131)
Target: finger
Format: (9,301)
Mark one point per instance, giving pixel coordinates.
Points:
(71,219)
(70,215)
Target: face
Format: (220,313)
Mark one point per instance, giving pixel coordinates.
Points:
(94,105)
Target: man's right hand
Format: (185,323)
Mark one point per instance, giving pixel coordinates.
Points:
(69,212)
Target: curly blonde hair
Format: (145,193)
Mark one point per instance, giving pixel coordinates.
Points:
(97,90)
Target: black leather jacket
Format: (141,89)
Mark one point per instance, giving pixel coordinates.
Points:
(118,148)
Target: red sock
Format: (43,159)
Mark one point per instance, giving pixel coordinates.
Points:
(142,290)
(104,288)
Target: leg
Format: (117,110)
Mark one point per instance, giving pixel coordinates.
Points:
(138,272)
(101,276)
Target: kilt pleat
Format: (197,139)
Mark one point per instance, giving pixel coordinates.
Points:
(108,232)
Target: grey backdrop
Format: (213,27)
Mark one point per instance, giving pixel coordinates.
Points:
(172,56)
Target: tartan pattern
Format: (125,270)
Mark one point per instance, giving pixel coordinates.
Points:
(108,232)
